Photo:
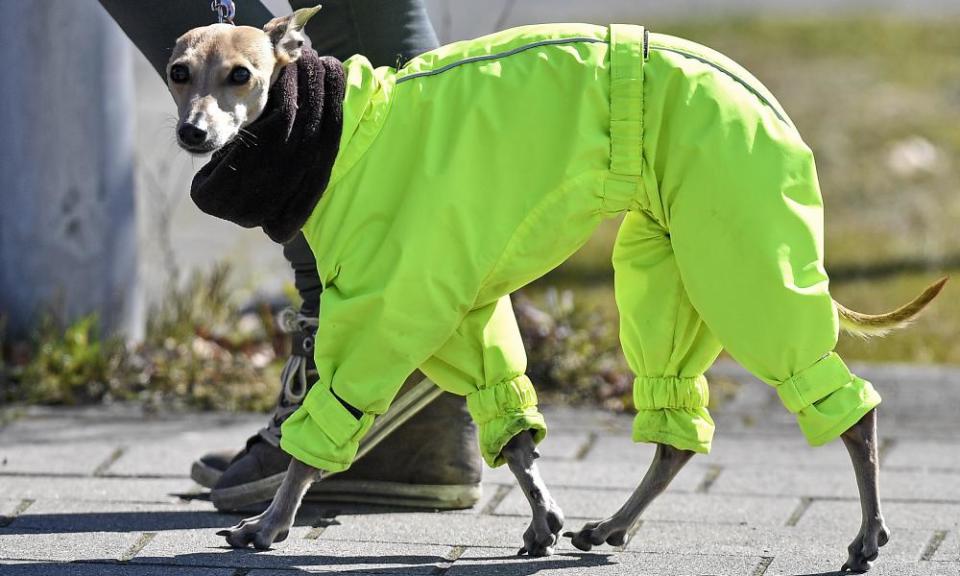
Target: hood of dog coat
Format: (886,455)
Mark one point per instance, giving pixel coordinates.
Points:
(276,174)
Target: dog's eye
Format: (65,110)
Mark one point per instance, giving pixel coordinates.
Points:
(179,74)
(239,75)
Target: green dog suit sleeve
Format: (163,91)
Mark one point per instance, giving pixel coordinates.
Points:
(485,361)
(378,323)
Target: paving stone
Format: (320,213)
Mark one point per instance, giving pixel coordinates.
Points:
(564,445)
(174,455)
(813,565)
(114,425)
(829,482)
(730,451)
(205,548)
(774,423)
(924,454)
(430,528)
(95,489)
(597,504)
(752,395)
(65,458)
(567,419)
(620,474)
(949,549)
(65,546)
(575,502)
(913,515)
(59,516)
(829,541)
(505,562)
(44,568)
(619,447)
(8,506)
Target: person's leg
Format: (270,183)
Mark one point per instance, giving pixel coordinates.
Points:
(154,26)
(382,30)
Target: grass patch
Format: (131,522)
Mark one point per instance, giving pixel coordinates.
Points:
(199,352)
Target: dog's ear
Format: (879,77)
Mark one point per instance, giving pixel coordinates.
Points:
(287,36)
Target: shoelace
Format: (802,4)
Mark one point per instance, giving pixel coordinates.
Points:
(298,372)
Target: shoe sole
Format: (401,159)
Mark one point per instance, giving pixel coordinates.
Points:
(404,407)
(438,496)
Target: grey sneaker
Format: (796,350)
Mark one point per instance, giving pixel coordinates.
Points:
(422,452)
(207,469)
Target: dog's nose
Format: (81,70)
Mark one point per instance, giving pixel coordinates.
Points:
(191,135)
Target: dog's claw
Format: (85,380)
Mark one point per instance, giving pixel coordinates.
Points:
(596,533)
(260,531)
(542,535)
(865,548)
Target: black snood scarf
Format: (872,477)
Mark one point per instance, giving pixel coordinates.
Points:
(274,174)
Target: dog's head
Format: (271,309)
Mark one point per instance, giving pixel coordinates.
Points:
(220,76)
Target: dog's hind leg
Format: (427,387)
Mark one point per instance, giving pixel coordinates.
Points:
(861,443)
(666,463)
(541,536)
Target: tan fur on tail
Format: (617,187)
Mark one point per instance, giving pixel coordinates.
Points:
(869,325)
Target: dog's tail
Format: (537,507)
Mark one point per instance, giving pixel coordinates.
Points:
(869,325)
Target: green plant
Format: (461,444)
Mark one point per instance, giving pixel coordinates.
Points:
(71,364)
(199,352)
(573,350)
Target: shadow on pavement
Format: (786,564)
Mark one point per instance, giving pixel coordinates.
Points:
(201,563)
(124,522)
(162,520)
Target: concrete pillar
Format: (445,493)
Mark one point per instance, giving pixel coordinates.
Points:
(67,219)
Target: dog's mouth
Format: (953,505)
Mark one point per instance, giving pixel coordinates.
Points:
(199,149)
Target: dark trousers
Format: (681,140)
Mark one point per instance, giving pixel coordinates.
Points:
(385,31)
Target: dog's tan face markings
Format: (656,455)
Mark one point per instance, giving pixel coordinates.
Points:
(220,76)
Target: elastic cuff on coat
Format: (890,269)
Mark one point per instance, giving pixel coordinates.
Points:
(503,411)
(673,411)
(827,399)
(323,433)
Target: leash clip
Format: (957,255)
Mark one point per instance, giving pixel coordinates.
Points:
(225,10)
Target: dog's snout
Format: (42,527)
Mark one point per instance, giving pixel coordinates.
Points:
(191,135)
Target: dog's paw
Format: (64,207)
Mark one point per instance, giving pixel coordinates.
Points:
(596,533)
(260,531)
(866,547)
(542,534)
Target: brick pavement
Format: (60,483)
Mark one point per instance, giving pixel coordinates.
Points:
(106,492)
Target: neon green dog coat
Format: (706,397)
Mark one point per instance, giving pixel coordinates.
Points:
(481,165)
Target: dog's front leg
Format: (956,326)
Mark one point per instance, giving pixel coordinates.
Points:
(666,463)
(541,536)
(274,523)
(861,443)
